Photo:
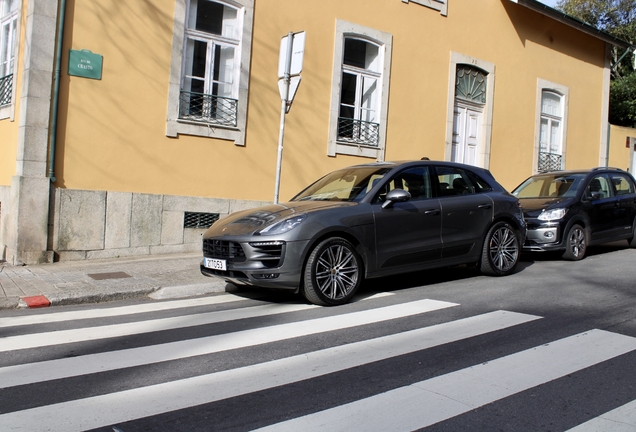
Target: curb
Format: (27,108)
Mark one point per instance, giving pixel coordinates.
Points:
(155,293)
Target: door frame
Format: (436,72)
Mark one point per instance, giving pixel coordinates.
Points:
(483,157)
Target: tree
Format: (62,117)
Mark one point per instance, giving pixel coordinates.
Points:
(617,18)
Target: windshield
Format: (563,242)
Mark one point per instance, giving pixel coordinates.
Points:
(549,186)
(350,184)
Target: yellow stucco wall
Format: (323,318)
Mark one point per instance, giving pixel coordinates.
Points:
(620,156)
(112,131)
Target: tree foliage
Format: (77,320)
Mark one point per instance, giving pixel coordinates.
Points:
(617,18)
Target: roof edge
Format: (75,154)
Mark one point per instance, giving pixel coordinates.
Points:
(566,19)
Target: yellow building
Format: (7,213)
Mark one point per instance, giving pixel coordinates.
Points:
(126,127)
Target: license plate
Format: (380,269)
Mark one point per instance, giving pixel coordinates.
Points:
(215,264)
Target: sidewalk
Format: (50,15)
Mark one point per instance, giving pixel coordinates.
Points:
(63,283)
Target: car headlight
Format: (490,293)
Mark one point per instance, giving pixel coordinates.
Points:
(283,226)
(552,215)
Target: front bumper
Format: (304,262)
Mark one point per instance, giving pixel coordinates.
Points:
(267,264)
(543,239)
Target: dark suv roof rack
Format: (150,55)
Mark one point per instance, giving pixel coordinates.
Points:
(607,168)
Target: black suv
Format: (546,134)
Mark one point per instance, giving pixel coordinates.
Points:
(570,210)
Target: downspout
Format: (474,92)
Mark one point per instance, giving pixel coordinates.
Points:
(56,89)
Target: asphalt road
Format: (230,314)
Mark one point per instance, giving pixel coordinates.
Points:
(550,348)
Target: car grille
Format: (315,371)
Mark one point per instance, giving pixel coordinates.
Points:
(269,254)
(230,251)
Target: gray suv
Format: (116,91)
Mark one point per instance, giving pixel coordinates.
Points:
(367,221)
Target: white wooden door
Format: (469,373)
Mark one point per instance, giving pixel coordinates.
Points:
(466,133)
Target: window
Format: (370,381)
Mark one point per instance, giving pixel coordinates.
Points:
(358,118)
(455,181)
(414,180)
(360,91)
(440,5)
(8,23)
(209,91)
(550,136)
(208,97)
(552,116)
(622,185)
(598,188)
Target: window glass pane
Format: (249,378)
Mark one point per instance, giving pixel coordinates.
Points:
(213,17)
(454,181)
(223,70)
(8,6)
(555,128)
(551,104)
(369,93)
(361,54)
(4,50)
(543,139)
(622,185)
(348,92)
(600,187)
(196,55)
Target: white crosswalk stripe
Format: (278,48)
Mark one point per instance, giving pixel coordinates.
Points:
(621,419)
(64,368)
(428,402)
(413,406)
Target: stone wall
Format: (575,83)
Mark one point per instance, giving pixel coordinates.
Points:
(100,224)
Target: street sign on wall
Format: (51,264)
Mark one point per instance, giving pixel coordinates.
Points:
(84,63)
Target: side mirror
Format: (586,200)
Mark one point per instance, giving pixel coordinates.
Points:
(396,195)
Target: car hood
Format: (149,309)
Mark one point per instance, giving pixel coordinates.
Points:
(532,207)
(248,222)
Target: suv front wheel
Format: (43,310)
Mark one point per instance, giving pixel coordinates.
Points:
(575,243)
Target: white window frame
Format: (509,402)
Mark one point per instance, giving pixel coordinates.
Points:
(11,45)
(439,5)
(176,126)
(483,158)
(384,42)
(563,92)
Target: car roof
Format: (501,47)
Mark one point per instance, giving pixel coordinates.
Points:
(404,163)
(581,171)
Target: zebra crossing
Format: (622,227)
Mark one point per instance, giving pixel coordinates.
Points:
(324,343)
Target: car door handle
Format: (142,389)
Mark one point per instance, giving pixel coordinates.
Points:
(485,206)
(431,212)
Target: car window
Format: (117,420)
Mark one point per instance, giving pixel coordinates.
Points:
(414,180)
(599,188)
(622,184)
(453,181)
(350,184)
(552,185)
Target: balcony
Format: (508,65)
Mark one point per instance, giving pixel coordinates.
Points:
(208,109)
(6,87)
(550,162)
(358,132)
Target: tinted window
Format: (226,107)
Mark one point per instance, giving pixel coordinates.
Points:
(622,184)
(453,181)
(414,180)
(599,187)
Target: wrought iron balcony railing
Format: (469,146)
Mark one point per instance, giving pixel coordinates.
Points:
(358,132)
(550,162)
(6,88)
(208,108)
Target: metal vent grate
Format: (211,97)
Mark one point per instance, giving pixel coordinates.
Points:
(199,220)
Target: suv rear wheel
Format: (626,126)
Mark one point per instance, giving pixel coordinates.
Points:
(500,254)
